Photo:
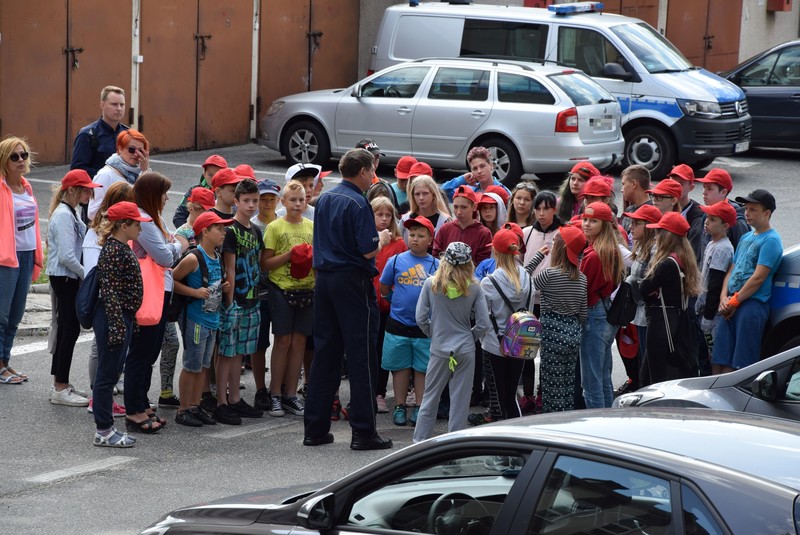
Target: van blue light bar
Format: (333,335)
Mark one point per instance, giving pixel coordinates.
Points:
(577,7)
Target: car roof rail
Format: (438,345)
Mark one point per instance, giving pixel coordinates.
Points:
(496,60)
(517,60)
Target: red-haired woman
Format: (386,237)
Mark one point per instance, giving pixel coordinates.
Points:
(131,159)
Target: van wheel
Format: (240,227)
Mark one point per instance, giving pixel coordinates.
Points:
(507,164)
(789,344)
(306,142)
(651,147)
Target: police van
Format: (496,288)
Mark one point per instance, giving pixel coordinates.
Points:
(672,111)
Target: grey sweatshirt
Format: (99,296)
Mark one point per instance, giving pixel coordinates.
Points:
(499,308)
(447,321)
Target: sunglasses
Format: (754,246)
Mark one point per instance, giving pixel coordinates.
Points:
(132,150)
(17,156)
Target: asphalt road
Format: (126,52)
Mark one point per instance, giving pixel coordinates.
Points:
(54,480)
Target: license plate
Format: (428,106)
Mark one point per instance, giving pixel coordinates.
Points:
(741,147)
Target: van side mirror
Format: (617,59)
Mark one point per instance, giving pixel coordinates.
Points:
(616,71)
(765,386)
(356,91)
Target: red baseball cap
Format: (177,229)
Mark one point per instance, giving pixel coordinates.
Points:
(585,169)
(718,176)
(487,199)
(506,241)
(78,177)
(419,221)
(683,172)
(598,210)
(223,177)
(668,187)
(126,210)
(574,240)
(723,210)
(301,259)
(466,192)
(215,159)
(202,196)
(672,222)
(420,168)
(499,190)
(206,219)
(516,229)
(403,167)
(244,171)
(597,186)
(646,212)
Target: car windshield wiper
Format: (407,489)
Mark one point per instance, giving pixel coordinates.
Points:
(668,71)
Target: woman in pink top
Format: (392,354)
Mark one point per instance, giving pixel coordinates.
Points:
(20,247)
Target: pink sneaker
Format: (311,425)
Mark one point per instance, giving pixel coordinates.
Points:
(117,410)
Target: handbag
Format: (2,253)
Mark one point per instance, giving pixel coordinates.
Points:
(682,350)
(623,308)
(87,297)
(298,298)
(149,313)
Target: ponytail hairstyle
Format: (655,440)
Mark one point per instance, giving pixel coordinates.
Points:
(117,192)
(559,259)
(60,195)
(509,264)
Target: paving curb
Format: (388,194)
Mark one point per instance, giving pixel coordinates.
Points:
(33,330)
(40,288)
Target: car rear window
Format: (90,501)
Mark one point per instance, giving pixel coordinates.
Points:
(522,90)
(581,89)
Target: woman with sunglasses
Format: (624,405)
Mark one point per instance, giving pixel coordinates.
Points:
(20,247)
(131,159)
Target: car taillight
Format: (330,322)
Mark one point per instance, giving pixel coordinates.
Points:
(567,121)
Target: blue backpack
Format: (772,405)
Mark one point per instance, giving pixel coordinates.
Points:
(86,300)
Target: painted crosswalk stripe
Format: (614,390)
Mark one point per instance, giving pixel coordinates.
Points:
(97,466)
(42,346)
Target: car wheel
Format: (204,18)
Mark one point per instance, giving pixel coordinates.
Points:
(507,165)
(306,142)
(651,147)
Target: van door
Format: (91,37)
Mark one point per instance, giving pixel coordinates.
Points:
(454,108)
(383,111)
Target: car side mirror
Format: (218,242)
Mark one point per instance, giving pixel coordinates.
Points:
(616,71)
(765,386)
(317,512)
(356,91)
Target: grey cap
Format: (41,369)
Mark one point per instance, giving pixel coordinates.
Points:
(458,253)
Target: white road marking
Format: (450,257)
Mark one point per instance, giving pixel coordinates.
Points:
(97,466)
(257,428)
(734,163)
(42,346)
(181,164)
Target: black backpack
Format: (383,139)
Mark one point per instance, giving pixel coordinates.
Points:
(179,302)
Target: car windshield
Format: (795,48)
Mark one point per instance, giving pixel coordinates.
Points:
(581,89)
(653,50)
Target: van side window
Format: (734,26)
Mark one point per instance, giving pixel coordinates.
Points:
(460,84)
(399,83)
(586,50)
(498,38)
(522,89)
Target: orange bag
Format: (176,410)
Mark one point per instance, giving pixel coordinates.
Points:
(153,301)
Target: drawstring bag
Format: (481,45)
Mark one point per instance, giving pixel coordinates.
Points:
(149,313)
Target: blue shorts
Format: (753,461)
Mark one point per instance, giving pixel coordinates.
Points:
(239,331)
(198,345)
(737,341)
(401,353)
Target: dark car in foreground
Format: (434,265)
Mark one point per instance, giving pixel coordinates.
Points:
(770,387)
(654,472)
(771,82)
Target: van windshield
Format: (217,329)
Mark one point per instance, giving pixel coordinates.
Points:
(653,50)
(581,89)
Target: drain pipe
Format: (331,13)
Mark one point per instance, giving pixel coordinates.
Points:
(133,98)
(254,71)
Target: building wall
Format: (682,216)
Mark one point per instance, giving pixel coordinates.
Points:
(762,29)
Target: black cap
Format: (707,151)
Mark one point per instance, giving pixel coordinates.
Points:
(370,145)
(760,196)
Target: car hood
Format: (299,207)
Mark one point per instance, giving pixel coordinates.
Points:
(698,84)
(316,96)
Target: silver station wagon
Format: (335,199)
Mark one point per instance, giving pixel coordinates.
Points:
(535,118)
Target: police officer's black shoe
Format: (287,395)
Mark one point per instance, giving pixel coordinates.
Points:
(370,442)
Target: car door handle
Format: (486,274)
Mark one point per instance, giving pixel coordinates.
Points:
(403,110)
(478,113)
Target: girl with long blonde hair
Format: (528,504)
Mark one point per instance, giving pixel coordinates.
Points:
(426,199)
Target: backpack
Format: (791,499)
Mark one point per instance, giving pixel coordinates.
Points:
(179,302)
(87,297)
(623,308)
(523,332)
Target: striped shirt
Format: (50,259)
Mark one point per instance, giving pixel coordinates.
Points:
(559,293)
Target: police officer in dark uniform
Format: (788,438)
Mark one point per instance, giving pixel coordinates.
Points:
(345,310)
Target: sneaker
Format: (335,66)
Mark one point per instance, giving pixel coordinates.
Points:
(81,393)
(208,402)
(117,410)
(276,408)
(203,416)
(382,407)
(244,410)
(188,419)
(478,418)
(226,415)
(336,410)
(627,386)
(170,402)
(67,397)
(120,388)
(399,415)
(293,405)
(414,415)
(113,439)
(303,391)
(262,399)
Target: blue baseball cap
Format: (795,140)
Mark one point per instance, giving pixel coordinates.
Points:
(266,185)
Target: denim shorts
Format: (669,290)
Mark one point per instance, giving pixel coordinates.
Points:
(198,345)
(402,352)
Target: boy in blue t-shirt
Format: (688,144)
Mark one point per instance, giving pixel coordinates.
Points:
(405,346)
(200,320)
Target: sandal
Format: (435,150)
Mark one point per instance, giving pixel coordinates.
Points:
(11,378)
(148,426)
(114,439)
(156,418)
(23,376)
